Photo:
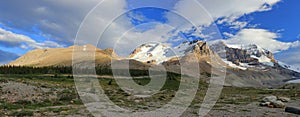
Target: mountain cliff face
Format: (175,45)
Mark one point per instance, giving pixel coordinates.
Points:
(244,56)
(251,57)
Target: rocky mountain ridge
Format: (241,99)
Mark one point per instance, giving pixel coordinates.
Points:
(235,56)
(157,53)
(247,65)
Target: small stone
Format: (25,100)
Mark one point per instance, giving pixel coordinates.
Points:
(232,111)
(137,101)
(63,113)
(270,99)
(278,104)
(284,99)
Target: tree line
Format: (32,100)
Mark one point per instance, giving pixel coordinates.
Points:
(99,70)
(35,70)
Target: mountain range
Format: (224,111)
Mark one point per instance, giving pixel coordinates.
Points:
(246,65)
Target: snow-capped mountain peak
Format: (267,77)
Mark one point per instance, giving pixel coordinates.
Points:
(158,53)
(185,47)
(153,53)
(244,56)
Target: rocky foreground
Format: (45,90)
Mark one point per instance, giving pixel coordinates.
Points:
(40,95)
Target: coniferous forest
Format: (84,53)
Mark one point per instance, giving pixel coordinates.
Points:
(100,70)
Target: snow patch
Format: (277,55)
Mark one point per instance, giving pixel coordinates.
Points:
(284,65)
(229,63)
(294,81)
(264,60)
(154,52)
(186,47)
(160,53)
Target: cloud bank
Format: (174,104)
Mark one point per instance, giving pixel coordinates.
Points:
(263,38)
(12,40)
(59,20)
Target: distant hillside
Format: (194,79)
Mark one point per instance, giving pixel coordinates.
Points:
(60,57)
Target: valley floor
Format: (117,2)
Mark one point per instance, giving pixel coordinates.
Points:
(55,95)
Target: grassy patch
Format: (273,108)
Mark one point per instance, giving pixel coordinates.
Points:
(22,113)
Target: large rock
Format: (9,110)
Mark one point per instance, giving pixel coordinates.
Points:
(292,110)
(284,99)
(278,104)
(270,99)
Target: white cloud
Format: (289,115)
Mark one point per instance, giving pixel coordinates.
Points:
(236,8)
(137,16)
(230,10)
(10,39)
(238,25)
(131,39)
(192,11)
(119,33)
(263,38)
(57,19)
(232,22)
(204,13)
(227,34)
(60,19)
(290,57)
(109,19)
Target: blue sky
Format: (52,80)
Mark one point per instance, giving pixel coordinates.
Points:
(284,16)
(50,24)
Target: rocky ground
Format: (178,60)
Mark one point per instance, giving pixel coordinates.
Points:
(250,110)
(253,110)
(34,96)
(51,96)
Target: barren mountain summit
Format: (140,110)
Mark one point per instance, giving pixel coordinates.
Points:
(61,56)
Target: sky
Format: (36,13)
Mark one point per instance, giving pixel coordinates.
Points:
(126,24)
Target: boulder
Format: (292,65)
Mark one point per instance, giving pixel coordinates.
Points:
(278,104)
(270,99)
(292,110)
(284,99)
